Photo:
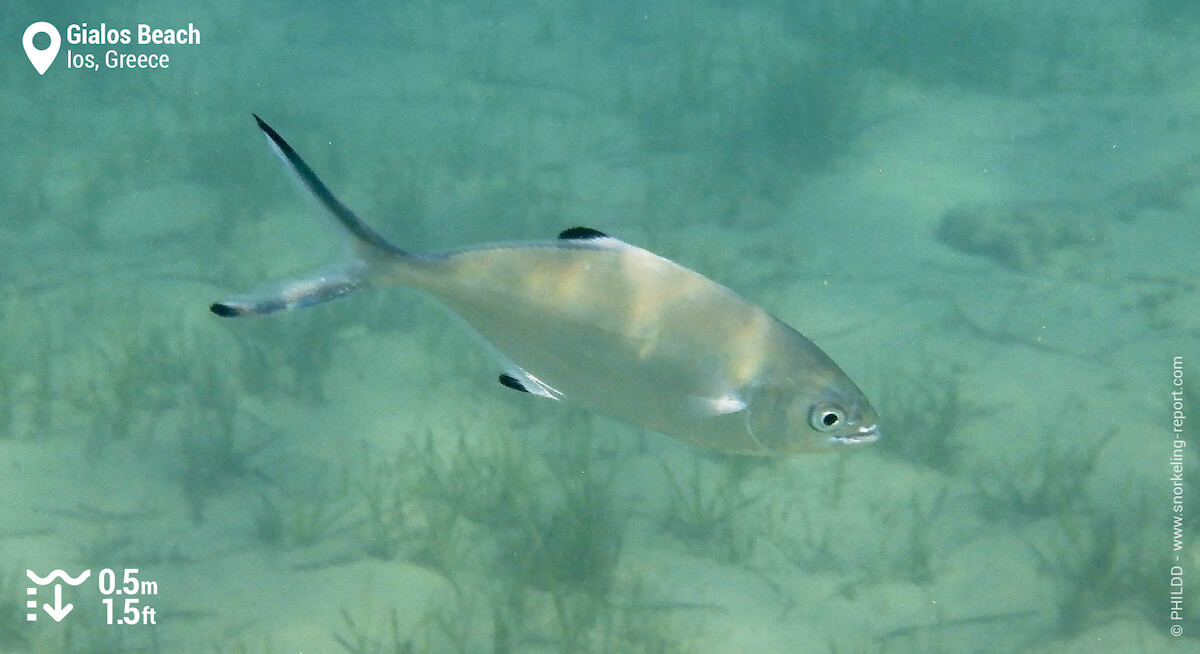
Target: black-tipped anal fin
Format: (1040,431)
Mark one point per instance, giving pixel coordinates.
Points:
(224,310)
(508,381)
(580,234)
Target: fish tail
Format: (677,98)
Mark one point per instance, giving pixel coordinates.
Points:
(372,258)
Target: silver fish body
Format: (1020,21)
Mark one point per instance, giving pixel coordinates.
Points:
(610,327)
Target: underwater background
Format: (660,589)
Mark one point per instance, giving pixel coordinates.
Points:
(985,211)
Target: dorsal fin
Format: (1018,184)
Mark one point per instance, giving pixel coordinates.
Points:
(580,234)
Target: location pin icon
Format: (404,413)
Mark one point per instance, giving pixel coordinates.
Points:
(41,59)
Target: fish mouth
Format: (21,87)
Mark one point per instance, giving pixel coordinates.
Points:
(868,434)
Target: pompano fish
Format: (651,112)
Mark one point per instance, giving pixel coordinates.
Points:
(606,325)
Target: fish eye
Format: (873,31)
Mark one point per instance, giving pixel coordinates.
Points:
(825,417)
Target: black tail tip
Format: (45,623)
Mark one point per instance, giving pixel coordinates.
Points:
(224,310)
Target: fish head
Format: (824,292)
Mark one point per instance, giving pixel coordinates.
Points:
(791,416)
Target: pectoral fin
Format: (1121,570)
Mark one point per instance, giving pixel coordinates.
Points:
(706,407)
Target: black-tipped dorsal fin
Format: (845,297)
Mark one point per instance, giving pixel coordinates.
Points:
(581,234)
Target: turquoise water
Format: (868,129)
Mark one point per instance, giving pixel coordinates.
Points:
(985,212)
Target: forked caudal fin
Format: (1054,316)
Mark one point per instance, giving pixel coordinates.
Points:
(369,251)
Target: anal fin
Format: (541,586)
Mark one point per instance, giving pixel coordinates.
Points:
(508,381)
(519,380)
